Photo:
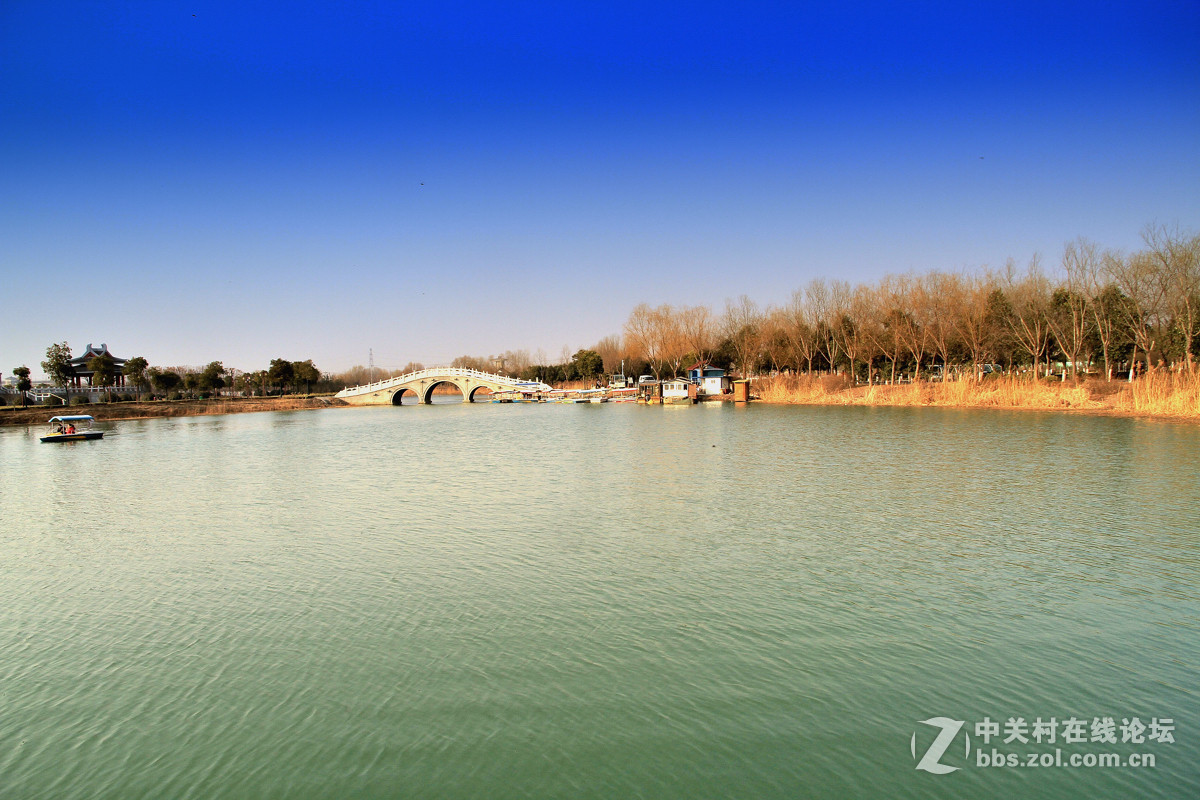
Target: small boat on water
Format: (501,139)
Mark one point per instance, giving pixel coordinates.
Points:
(75,428)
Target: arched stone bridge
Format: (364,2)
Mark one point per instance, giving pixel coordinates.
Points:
(421,383)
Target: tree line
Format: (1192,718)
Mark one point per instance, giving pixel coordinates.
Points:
(142,379)
(1100,311)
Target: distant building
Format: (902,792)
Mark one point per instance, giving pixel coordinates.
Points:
(675,391)
(710,379)
(83,373)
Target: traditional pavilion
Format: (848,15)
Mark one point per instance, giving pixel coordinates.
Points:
(79,365)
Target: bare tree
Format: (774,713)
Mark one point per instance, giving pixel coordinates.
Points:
(793,323)
(1030,298)
(641,336)
(1142,278)
(870,332)
(513,362)
(697,326)
(674,342)
(935,295)
(742,326)
(842,328)
(888,338)
(612,352)
(971,318)
(1178,257)
(822,305)
(1070,303)
(1102,306)
(906,319)
(777,348)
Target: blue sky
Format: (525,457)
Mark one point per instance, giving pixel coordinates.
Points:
(243,181)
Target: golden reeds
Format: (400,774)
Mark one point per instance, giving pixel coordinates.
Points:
(1158,394)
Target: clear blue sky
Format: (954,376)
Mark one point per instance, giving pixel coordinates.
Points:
(241,181)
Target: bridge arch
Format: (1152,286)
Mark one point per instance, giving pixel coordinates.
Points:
(427,392)
(398,396)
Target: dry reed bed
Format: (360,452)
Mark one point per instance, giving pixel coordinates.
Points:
(1157,394)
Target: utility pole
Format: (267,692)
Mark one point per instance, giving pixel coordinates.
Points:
(370,365)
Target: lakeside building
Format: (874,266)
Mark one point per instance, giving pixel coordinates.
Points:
(677,390)
(79,365)
(709,379)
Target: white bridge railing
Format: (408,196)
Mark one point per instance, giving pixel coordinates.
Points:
(441,372)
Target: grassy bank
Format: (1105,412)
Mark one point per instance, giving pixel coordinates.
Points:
(37,415)
(1159,394)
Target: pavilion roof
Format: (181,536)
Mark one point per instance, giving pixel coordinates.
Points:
(81,360)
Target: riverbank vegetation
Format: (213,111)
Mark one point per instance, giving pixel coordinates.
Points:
(138,380)
(1103,329)
(1159,393)
(146,409)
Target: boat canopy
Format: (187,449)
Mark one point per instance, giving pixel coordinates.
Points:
(74,418)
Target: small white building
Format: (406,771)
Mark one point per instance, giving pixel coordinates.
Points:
(676,391)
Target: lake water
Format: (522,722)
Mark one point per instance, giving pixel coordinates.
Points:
(599,601)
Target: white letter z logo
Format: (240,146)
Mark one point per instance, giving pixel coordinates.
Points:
(929,762)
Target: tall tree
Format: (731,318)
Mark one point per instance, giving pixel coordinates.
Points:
(1070,303)
(935,294)
(825,315)
(906,319)
(672,343)
(642,336)
(742,326)
(1108,313)
(612,353)
(1178,257)
(970,318)
(305,372)
(23,383)
(164,381)
(212,377)
(58,364)
(281,374)
(887,332)
(696,329)
(135,372)
(867,311)
(797,326)
(1142,278)
(104,370)
(588,364)
(1030,298)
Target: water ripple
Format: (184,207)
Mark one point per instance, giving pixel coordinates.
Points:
(588,601)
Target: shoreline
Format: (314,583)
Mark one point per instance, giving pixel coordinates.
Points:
(151,409)
(1098,398)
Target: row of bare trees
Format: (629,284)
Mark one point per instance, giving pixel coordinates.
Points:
(1100,307)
